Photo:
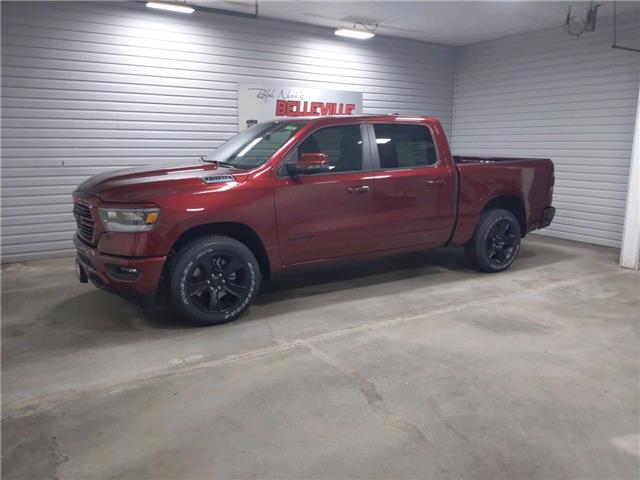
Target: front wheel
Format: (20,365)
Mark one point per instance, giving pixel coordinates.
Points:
(495,243)
(214,280)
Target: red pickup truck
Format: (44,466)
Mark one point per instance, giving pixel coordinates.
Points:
(294,192)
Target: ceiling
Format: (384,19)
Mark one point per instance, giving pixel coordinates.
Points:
(448,23)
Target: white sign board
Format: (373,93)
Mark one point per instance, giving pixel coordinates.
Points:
(260,103)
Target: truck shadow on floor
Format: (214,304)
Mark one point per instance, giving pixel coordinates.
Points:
(99,318)
(444,264)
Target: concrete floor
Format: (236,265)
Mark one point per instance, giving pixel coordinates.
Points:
(413,366)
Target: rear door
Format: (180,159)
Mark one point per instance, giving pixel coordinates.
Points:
(329,214)
(414,192)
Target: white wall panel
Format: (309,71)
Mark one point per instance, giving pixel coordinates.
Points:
(88,87)
(572,99)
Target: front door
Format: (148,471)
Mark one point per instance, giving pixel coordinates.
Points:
(329,214)
(414,193)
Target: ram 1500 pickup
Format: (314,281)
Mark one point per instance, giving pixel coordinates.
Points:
(294,192)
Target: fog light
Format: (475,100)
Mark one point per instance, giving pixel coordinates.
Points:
(123,273)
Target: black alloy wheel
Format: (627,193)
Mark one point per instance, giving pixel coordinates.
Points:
(501,242)
(218,282)
(214,280)
(496,241)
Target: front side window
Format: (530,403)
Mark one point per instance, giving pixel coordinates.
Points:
(405,146)
(254,146)
(342,144)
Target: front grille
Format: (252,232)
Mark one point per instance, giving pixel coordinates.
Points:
(84,220)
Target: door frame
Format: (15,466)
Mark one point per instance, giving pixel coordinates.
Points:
(373,148)
(367,153)
(282,179)
(426,170)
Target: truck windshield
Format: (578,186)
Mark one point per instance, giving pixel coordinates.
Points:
(254,146)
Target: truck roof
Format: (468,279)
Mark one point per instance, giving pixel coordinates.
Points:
(367,117)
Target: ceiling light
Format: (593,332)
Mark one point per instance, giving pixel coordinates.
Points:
(353,33)
(172,7)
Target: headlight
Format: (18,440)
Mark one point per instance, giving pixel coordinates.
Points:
(128,219)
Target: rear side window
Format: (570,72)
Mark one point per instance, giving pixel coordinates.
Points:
(405,146)
(343,145)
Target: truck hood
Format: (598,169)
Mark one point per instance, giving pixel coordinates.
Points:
(146,184)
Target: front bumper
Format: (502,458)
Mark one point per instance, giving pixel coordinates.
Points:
(547,217)
(127,276)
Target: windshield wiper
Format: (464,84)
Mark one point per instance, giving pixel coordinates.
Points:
(218,162)
(222,164)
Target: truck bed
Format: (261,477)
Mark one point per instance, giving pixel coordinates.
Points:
(464,159)
(483,178)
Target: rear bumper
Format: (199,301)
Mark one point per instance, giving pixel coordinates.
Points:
(547,217)
(136,278)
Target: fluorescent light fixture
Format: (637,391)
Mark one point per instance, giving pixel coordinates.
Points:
(172,7)
(353,33)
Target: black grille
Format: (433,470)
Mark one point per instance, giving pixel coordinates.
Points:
(84,220)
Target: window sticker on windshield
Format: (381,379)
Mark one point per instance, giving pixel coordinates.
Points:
(290,128)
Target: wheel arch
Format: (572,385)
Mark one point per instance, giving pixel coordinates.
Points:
(512,204)
(238,231)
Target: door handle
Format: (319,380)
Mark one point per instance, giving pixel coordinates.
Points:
(358,189)
(434,182)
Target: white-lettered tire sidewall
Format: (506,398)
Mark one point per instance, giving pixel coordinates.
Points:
(188,256)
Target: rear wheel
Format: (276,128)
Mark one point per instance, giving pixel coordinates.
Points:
(495,243)
(214,280)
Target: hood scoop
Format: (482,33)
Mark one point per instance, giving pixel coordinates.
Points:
(218,179)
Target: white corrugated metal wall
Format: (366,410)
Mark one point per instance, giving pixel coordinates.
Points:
(88,87)
(572,99)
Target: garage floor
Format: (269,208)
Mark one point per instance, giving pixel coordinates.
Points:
(412,366)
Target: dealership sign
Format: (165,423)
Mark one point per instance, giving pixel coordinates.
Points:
(259,103)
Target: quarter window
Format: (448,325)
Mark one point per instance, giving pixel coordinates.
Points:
(343,145)
(404,146)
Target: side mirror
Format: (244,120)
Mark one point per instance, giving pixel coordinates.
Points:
(309,163)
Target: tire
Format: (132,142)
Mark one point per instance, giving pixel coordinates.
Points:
(495,243)
(213,280)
